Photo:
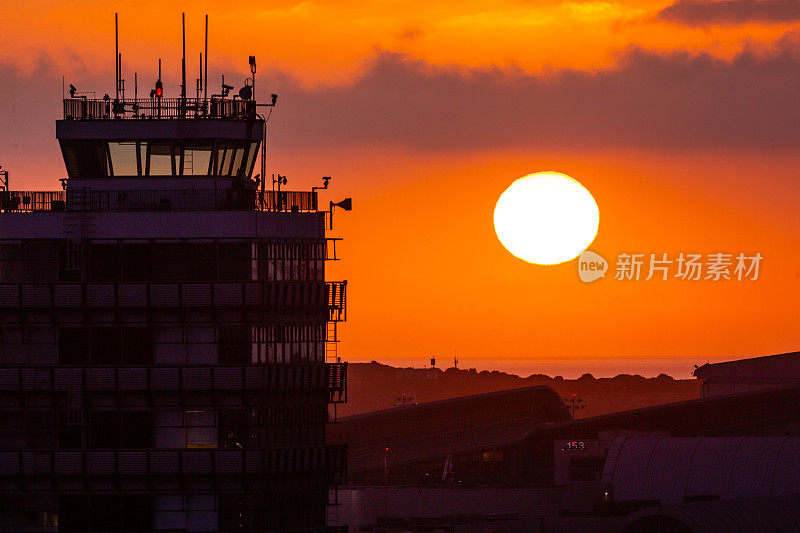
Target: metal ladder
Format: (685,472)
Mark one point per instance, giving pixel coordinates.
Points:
(188,162)
(78,223)
(331,343)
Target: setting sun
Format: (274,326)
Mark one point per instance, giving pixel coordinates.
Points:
(546,218)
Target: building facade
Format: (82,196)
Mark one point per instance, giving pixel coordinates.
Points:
(166,331)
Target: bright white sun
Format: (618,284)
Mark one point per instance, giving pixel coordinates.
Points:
(546,218)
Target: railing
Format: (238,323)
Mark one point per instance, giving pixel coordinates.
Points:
(330,296)
(159,108)
(328,463)
(158,200)
(302,378)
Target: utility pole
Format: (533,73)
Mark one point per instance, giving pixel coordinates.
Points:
(574,403)
(385,482)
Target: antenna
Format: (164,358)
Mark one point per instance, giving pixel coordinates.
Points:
(199,86)
(120,82)
(183,66)
(205,73)
(116,54)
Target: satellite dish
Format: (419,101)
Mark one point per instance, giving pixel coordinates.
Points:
(246,92)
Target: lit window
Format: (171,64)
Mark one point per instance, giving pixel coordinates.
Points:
(160,159)
(123,158)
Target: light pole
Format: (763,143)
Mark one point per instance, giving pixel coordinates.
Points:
(574,403)
(386,482)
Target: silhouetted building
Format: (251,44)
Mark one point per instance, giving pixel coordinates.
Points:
(602,473)
(470,439)
(164,326)
(755,373)
(670,470)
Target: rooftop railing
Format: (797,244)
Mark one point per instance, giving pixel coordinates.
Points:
(159,108)
(158,200)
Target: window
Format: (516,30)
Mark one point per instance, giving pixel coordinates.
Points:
(105,346)
(222,159)
(11,266)
(105,262)
(123,158)
(73,512)
(586,468)
(73,346)
(196,159)
(234,429)
(202,261)
(168,261)
(104,429)
(137,262)
(84,159)
(201,429)
(137,512)
(106,512)
(39,427)
(137,429)
(160,163)
(251,159)
(234,345)
(70,434)
(234,261)
(137,345)
(41,260)
(237,162)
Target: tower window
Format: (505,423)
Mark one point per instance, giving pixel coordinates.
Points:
(123,158)
(161,161)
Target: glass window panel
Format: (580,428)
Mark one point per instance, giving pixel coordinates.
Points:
(123,158)
(222,160)
(237,162)
(84,159)
(196,159)
(160,159)
(143,157)
(251,158)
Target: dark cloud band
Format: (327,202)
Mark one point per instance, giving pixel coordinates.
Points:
(703,12)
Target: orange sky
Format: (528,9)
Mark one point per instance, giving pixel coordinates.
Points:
(683,129)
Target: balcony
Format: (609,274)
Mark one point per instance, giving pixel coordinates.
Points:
(291,297)
(328,464)
(159,109)
(295,378)
(158,200)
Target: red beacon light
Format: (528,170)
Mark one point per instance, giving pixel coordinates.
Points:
(158,92)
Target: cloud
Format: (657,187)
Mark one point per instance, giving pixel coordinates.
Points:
(648,101)
(675,101)
(704,12)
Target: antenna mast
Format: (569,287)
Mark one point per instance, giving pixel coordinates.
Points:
(183,67)
(116,56)
(205,74)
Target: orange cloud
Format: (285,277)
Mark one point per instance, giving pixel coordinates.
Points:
(324,43)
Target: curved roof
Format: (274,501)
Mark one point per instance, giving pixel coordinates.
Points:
(784,365)
(733,516)
(667,469)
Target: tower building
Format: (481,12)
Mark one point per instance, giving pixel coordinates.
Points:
(167,334)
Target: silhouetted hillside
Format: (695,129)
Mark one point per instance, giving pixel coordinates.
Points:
(373,386)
